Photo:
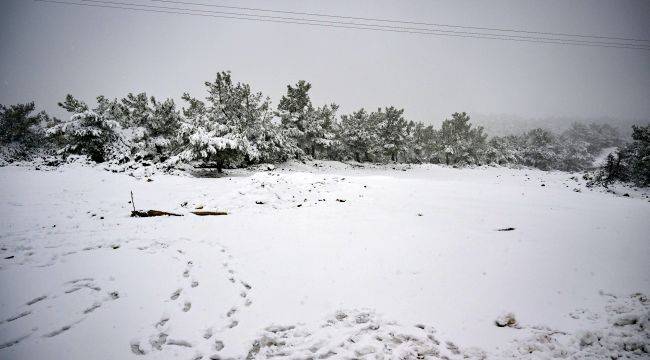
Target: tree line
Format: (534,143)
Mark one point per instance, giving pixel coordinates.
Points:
(235,126)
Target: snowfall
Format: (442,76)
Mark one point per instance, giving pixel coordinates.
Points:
(322,260)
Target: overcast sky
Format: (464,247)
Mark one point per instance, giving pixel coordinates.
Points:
(49,50)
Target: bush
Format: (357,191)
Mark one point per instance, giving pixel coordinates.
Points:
(631,162)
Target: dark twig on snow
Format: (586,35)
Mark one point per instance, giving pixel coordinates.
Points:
(149,213)
(152,213)
(132,202)
(206,213)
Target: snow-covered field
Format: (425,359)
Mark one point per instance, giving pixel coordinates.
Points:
(327,261)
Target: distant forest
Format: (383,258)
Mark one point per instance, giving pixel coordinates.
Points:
(234,126)
(508,124)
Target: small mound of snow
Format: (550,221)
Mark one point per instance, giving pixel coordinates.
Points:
(506,320)
(626,335)
(355,334)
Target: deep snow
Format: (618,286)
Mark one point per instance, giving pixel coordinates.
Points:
(293,272)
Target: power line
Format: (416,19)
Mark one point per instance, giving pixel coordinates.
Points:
(577,42)
(356,26)
(402,21)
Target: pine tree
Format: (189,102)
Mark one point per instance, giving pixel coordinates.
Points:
(540,149)
(234,127)
(18,124)
(296,112)
(152,125)
(460,143)
(358,136)
(88,132)
(392,131)
(21,131)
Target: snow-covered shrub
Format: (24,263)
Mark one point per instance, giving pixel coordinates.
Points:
(631,162)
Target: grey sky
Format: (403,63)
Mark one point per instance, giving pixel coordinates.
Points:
(49,50)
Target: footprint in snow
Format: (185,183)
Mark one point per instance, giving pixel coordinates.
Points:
(178,342)
(16,317)
(231,312)
(162,322)
(136,349)
(92,308)
(35,300)
(218,345)
(157,341)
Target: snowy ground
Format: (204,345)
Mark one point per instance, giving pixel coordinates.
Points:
(321,261)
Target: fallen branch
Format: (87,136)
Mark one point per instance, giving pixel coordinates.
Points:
(207,213)
(152,213)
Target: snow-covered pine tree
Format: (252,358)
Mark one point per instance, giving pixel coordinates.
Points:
(319,130)
(460,143)
(539,149)
(503,150)
(152,126)
(421,142)
(21,131)
(299,120)
(232,128)
(94,133)
(392,132)
(573,154)
(359,137)
(595,136)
